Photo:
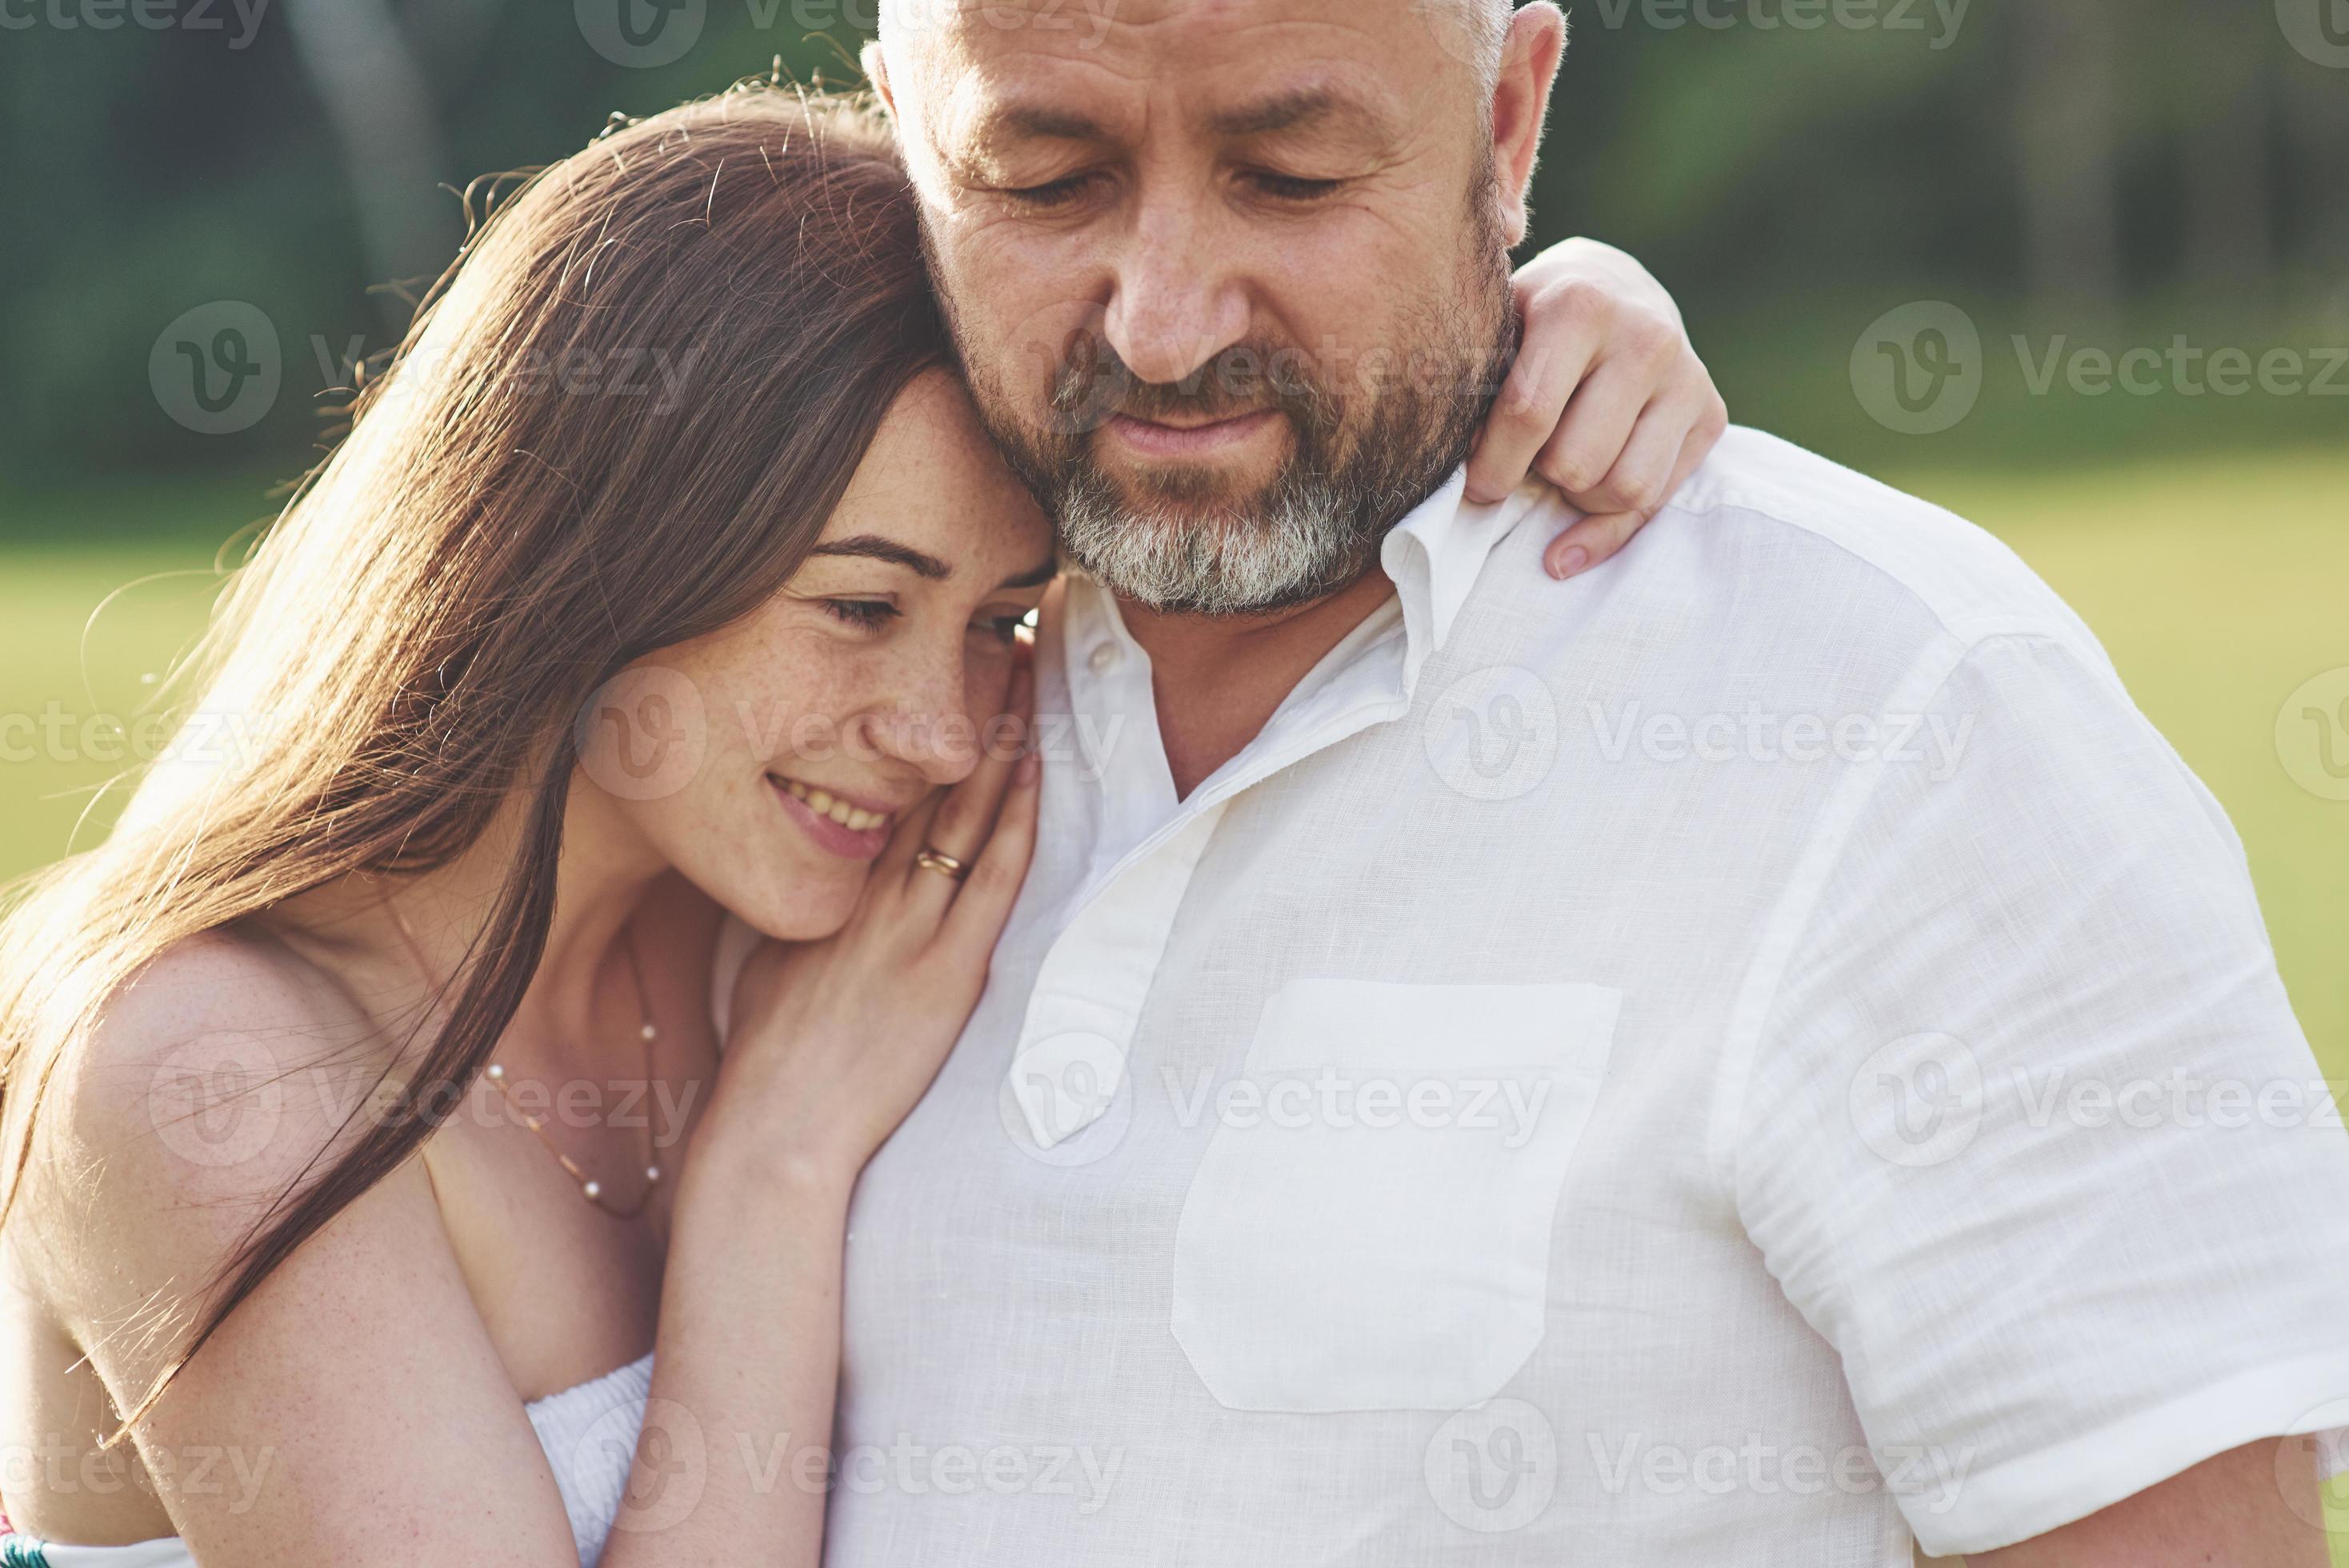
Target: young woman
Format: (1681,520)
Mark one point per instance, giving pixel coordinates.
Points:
(306,1258)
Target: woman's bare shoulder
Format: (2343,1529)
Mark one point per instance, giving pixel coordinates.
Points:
(209,1082)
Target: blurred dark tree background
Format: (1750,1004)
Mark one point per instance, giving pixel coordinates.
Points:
(2141,170)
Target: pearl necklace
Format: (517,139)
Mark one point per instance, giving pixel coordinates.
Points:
(647,1032)
(589,1188)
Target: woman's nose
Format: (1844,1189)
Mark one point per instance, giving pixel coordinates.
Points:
(938,738)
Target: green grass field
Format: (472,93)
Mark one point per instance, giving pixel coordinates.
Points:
(99,589)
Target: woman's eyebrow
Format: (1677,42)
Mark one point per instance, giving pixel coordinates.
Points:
(873,547)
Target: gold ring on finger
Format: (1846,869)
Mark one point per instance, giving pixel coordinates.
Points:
(946,865)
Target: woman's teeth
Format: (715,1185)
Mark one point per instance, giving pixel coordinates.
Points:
(855,819)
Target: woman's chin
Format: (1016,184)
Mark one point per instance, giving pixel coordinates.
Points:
(806,909)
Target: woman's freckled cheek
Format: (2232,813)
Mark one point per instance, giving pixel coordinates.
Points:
(795,708)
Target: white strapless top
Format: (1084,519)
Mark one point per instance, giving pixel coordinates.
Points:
(589,1431)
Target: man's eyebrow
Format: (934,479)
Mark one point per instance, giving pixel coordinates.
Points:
(1042,121)
(1298,109)
(1035,576)
(873,547)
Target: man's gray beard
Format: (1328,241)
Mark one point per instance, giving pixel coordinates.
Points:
(1316,529)
(1300,542)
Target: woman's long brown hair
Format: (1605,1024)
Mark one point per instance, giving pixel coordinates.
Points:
(619,422)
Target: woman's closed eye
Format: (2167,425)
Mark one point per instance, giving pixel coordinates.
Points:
(873,616)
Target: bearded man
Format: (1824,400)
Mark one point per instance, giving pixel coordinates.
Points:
(1486,1069)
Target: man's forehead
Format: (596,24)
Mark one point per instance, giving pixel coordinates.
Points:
(923,35)
(965,64)
(1088,19)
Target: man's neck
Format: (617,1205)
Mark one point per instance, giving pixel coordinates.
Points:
(1217,679)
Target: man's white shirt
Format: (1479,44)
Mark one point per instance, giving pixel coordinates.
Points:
(1735,1059)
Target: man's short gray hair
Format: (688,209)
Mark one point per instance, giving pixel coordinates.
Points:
(1475,31)
(1482,29)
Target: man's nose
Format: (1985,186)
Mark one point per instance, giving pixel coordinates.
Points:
(1178,302)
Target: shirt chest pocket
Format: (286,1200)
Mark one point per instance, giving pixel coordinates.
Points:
(1370,1228)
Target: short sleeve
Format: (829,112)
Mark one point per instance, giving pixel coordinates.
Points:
(2029,1132)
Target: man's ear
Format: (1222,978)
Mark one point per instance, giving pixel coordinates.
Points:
(1530,55)
(876,71)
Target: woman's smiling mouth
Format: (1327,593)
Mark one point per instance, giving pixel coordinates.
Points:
(843,826)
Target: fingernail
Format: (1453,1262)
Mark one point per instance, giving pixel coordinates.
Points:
(1573,559)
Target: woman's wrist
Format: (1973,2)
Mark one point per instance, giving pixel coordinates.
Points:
(743,1153)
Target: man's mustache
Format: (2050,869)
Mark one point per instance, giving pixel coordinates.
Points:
(1094,385)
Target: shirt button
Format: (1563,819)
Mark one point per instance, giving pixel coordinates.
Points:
(1105,657)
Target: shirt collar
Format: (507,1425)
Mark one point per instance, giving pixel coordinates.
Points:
(1432,556)
(1435,556)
